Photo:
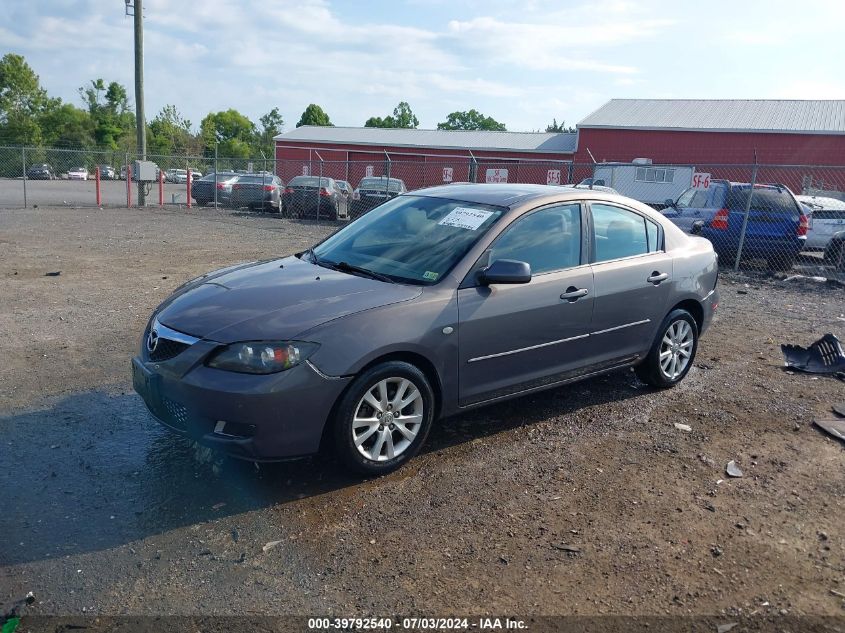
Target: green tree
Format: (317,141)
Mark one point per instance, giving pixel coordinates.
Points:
(113,121)
(471,120)
(403,117)
(65,125)
(231,131)
(271,126)
(314,115)
(170,133)
(22,100)
(554,126)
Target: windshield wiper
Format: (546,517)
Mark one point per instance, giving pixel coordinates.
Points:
(347,267)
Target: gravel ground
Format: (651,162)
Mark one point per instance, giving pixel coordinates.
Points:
(580,500)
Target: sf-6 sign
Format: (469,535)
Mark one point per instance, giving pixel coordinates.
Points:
(700,180)
(497,175)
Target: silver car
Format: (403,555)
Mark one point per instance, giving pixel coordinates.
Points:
(435,302)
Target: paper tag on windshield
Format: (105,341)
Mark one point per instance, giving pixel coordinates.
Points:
(465,218)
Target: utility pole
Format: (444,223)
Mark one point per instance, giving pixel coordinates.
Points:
(137,7)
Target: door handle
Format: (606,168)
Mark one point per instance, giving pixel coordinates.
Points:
(656,277)
(572,294)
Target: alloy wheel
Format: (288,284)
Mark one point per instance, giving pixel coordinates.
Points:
(387,419)
(676,349)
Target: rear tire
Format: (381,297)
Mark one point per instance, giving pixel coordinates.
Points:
(374,433)
(672,353)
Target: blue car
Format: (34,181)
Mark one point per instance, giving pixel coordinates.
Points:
(777,222)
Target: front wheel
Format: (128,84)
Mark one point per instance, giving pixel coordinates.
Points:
(672,353)
(383,418)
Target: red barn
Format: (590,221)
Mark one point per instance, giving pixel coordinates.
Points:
(422,157)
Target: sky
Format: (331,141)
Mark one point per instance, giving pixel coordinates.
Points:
(523,63)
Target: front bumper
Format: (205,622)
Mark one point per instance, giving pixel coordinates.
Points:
(265,418)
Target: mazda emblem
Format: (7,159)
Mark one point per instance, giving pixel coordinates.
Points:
(152,340)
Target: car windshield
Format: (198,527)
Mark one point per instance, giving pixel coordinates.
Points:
(255,179)
(410,239)
(79,169)
(379,183)
(309,181)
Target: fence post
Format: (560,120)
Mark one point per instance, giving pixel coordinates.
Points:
(23,164)
(319,186)
(747,211)
(188,181)
(128,182)
(97,183)
(160,188)
(215,175)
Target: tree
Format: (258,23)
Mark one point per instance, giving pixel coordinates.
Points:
(314,115)
(554,126)
(114,123)
(471,120)
(170,133)
(403,117)
(22,99)
(65,125)
(231,131)
(271,126)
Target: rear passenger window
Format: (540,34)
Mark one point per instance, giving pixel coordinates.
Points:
(653,235)
(618,233)
(549,239)
(699,200)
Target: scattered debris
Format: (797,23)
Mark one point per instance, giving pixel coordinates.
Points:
(733,470)
(716,551)
(825,356)
(565,547)
(54,274)
(235,535)
(724,628)
(205,552)
(839,409)
(683,427)
(269,546)
(834,427)
(837,593)
(217,506)
(742,292)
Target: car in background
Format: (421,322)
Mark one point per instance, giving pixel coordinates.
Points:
(257,192)
(349,343)
(304,195)
(107,172)
(593,187)
(42,171)
(171,175)
(372,191)
(202,190)
(777,224)
(592,182)
(345,188)
(78,173)
(827,217)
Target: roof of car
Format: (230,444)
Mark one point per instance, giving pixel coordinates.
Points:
(509,195)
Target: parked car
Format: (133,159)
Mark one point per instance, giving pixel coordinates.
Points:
(777,224)
(258,192)
(78,173)
(827,217)
(434,303)
(123,172)
(834,252)
(202,190)
(371,192)
(345,188)
(107,172)
(171,175)
(41,172)
(300,198)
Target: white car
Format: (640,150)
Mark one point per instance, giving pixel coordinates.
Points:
(827,217)
(78,173)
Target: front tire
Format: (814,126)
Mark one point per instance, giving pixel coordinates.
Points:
(383,418)
(672,353)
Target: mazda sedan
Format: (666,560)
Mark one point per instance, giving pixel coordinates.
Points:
(435,302)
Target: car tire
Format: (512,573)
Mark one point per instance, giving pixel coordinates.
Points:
(677,334)
(365,444)
(834,254)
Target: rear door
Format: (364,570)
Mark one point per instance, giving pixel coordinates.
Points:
(695,205)
(632,277)
(517,337)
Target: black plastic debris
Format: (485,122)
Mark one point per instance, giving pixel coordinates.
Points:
(836,428)
(825,356)
(53,274)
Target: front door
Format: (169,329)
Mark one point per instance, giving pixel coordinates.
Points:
(516,337)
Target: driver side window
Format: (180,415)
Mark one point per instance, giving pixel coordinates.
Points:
(685,199)
(548,239)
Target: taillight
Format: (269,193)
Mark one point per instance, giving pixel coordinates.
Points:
(268,187)
(220,185)
(720,220)
(288,190)
(324,192)
(803,225)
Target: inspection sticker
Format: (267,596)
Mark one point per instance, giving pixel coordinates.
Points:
(431,276)
(465,218)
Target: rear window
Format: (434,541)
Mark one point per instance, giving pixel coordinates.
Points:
(828,214)
(256,179)
(220,177)
(772,200)
(309,181)
(379,183)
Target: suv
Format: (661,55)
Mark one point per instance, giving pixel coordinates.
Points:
(777,224)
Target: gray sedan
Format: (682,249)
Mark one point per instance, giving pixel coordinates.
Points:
(437,301)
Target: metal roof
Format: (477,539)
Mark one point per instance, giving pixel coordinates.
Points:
(722,115)
(436,139)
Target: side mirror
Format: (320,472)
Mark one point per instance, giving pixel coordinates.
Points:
(696,227)
(669,202)
(505,271)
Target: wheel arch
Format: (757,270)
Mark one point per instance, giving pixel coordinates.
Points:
(694,307)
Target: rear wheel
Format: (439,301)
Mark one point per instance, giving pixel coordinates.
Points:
(383,418)
(834,254)
(672,353)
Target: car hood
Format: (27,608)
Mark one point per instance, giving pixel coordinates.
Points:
(273,300)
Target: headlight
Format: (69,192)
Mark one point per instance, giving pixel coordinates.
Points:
(261,357)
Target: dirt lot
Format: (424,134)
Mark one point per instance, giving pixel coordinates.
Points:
(581,500)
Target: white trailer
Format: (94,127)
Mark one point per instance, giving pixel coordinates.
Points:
(643,181)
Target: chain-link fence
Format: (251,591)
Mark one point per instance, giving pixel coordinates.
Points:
(769,217)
